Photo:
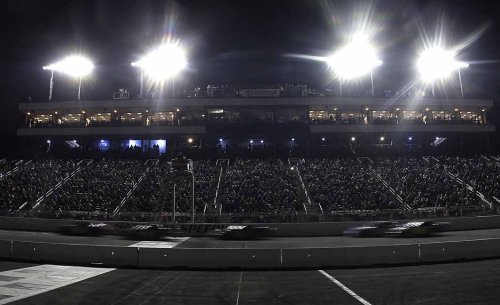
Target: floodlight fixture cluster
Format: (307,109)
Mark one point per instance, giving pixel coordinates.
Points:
(357,58)
(74,65)
(437,63)
(163,63)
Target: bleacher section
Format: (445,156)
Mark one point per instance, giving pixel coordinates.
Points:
(254,187)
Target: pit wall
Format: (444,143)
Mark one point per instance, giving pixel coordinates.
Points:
(288,258)
(284,229)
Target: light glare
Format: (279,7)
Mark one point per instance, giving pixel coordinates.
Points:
(74,65)
(355,59)
(163,63)
(436,63)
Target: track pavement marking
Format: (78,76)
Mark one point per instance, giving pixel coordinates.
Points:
(174,241)
(21,283)
(349,291)
(239,289)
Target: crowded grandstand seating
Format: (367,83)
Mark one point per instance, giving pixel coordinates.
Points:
(155,192)
(481,173)
(206,175)
(6,166)
(146,197)
(100,186)
(344,184)
(249,186)
(257,186)
(421,184)
(31,181)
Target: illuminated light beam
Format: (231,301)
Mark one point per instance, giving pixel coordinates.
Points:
(355,59)
(73,65)
(437,63)
(162,64)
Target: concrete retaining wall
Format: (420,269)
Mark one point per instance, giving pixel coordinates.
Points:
(209,258)
(75,254)
(349,256)
(248,258)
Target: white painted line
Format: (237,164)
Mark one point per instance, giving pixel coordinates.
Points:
(26,282)
(173,242)
(349,291)
(239,289)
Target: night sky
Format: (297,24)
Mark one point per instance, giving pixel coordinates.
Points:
(231,42)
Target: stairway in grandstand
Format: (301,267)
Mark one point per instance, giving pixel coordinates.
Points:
(467,184)
(9,167)
(368,162)
(213,212)
(39,202)
(310,208)
(33,181)
(150,163)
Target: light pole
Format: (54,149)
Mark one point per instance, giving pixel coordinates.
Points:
(371,78)
(51,86)
(460,81)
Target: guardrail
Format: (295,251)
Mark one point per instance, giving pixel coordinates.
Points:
(247,258)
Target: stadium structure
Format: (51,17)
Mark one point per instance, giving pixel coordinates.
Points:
(282,116)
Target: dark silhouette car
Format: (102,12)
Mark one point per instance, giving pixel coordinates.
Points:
(372,229)
(417,228)
(246,232)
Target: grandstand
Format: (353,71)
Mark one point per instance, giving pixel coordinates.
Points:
(285,152)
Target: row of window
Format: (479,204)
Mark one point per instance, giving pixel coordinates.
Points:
(219,115)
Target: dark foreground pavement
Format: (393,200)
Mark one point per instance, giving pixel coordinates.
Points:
(458,283)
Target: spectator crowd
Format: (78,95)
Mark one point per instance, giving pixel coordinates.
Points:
(249,186)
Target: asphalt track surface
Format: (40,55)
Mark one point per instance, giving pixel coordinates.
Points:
(456,283)
(282,242)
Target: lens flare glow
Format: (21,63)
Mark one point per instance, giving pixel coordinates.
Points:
(74,65)
(437,63)
(357,58)
(163,63)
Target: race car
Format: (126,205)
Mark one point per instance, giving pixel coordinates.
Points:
(144,232)
(245,232)
(417,228)
(85,229)
(372,229)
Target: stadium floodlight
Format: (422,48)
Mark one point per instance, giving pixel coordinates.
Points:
(437,64)
(74,65)
(162,64)
(356,59)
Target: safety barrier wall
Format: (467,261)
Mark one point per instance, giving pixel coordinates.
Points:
(249,258)
(209,258)
(75,254)
(457,250)
(284,229)
(349,256)
(5,248)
